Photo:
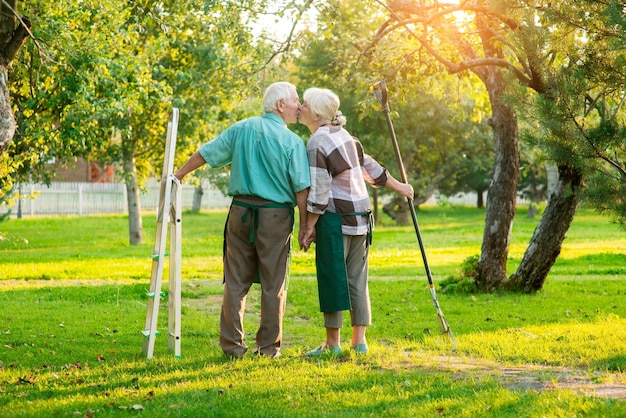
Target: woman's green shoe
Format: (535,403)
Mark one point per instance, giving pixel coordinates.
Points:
(323,349)
(360,348)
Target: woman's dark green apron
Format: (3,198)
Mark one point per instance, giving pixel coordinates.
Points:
(332,277)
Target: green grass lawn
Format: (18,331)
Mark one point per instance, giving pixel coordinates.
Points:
(72,292)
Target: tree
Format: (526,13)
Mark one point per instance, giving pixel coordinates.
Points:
(583,119)
(436,135)
(518,49)
(90,94)
(14,30)
(591,102)
(476,166)
(469,37)
(105,94)
(36,96)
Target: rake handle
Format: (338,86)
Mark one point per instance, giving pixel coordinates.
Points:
(380,90)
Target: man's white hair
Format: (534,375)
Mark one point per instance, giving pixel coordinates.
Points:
(281,90)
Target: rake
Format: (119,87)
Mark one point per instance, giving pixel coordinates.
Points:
(380,90)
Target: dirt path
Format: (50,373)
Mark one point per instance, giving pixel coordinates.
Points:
(536,377)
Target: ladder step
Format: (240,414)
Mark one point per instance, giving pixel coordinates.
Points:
(152,294)
(146,333)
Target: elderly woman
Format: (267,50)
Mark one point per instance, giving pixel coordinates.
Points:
(339,218)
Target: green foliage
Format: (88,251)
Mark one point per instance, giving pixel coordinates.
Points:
(105,93)
(464,281)
(533,181)
(437,123)
(579,119)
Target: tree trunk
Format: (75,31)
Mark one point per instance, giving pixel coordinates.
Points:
(197,198)
(398,210)
(135,223)
(398,207)
(545,244)
(7,120)
(502,192)
(479,199)
(11,40)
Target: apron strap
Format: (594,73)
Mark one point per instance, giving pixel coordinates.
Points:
(370,224)
(254,211)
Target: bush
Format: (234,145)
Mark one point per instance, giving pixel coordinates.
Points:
(464,279)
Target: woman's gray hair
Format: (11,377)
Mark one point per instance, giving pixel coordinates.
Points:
(324,103)
(281,90)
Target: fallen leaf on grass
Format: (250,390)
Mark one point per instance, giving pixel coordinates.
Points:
(71,366)
(29,380)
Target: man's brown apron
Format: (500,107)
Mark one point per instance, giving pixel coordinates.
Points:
(254,211)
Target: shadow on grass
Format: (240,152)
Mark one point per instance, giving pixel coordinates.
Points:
(592,264)
(210,385)
(78,348)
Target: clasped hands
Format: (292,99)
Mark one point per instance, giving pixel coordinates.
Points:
(306,238)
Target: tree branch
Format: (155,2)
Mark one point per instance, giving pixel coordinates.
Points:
(453,68)
(285,46)
(17,39)
(619,107)
(595,149)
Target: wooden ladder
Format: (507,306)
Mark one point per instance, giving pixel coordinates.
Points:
(168,217)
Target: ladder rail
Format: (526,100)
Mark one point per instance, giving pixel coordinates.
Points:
(154,294)
(174,317)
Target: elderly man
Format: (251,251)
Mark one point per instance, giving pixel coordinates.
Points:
(269,177)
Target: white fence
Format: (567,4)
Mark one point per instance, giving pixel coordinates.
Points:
(98,198)
(110,198)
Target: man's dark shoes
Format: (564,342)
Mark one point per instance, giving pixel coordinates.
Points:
(236,353)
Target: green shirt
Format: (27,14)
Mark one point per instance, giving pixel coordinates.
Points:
(267,159)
